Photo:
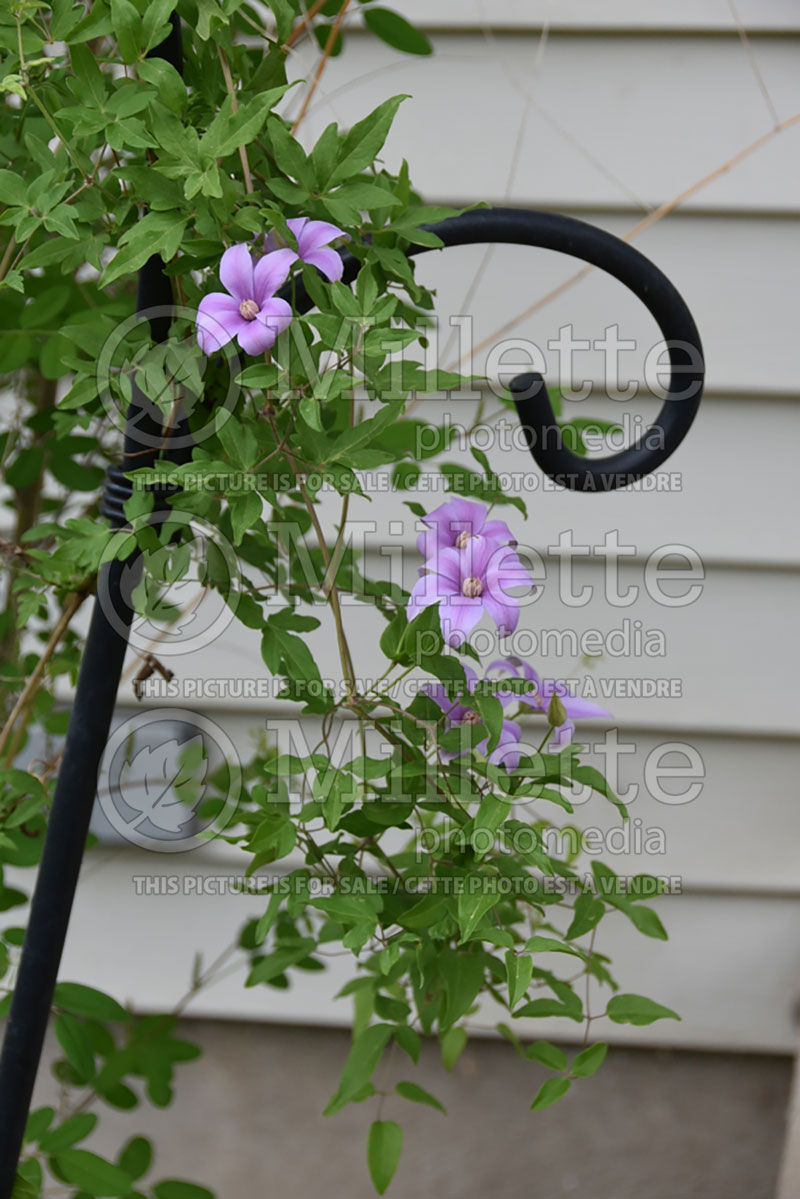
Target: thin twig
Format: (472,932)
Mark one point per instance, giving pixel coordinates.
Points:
(303,26)
(326,53)
(226,71)
(33,682)
(749,51)
(652,217)
(333,592)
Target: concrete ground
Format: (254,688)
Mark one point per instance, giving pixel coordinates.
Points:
(651,1125)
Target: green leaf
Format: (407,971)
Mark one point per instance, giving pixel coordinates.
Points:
(363,143)
(452,1042)
(87,1001)
(410,1090)
(472,907)
(285,14)
(267,920)
(38,1123)
(93,1173)
(324,154)
(283,651)
(594,779)
(127,25)
(364,433)
(25,1188)
(408,1040)
(636,1009)
(74,1040)
(539,944)
(210,19)
(519,971)
(464,975)
(384,1147)
(173,1188)
(550,1092)
(491,713)
(12,188)
(245,509)
(542,1008)
(289,153)
(229,130)
(163,76)
(588,914)
(260,375)
(589,1061)
(646,921)
(26,468)
(361,1064)
(549,1055)
(396,31)
(136,1158)
(156,233)
(77,1128)
(155,25)
(268,968)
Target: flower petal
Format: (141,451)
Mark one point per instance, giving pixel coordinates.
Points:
(297,224)
(561,736)
(578,708)
(275,314)
(506,753)
(423,594)
(438,693)
(503,612)
(498,530)
(504,570)
(458,620)
(312,235)
(446,566)
(256,337)
(327,261)
(218,320)
(270,273)
(236,272)
(478,557)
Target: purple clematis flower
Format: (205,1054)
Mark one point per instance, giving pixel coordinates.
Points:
(313,240)
(538,698)
(452,524)
(249,309)
(468,582)
(505,753)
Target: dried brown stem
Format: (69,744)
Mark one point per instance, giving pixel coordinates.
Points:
(326,53)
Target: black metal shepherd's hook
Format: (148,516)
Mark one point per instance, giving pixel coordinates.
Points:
(107,638)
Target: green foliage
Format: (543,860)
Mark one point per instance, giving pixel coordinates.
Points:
(384,1147)
(411,850)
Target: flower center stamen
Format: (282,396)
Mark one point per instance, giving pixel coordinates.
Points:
(472,588)
(462,539)
(248,309)
(472,718)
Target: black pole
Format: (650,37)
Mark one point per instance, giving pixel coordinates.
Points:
(76,787)
(577,239)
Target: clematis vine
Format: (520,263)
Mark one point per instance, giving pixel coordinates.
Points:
(248,310)
(453,523)
(540,695)
(506,753)
(313,242)
(467,582)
